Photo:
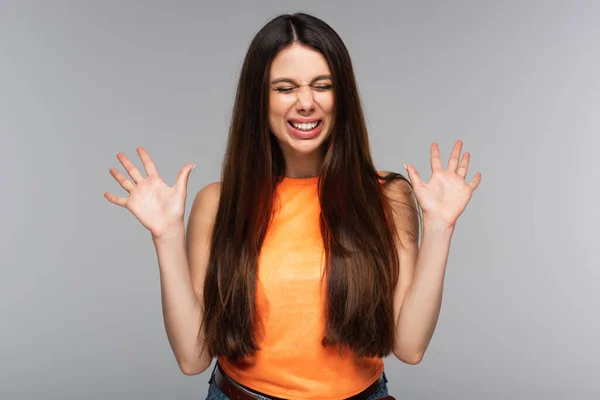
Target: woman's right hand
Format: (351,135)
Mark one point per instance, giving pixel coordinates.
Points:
(156,205)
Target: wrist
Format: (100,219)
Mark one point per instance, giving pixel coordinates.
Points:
(175,231)
(437,225)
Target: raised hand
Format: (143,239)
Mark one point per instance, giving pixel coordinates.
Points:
(156,205)
(446,195)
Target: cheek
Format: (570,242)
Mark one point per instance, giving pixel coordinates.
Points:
(327,105)
(277,112)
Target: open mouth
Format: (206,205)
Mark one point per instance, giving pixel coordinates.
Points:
(305,126)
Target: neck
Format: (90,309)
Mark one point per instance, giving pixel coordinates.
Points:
(303,165)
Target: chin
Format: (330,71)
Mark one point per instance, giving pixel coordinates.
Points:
(305,148)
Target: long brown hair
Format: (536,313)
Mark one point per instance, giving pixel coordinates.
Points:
(358,232)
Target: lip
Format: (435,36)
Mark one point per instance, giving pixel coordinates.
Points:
(304,121)
(304,135)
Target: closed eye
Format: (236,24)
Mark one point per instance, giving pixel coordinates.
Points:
(290,89)
(283,89)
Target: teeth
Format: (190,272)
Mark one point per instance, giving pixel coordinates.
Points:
(305,127)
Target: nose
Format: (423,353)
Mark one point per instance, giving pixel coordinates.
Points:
(306,101)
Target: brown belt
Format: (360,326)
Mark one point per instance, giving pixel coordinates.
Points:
(235,391)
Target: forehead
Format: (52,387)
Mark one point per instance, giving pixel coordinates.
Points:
(298,62)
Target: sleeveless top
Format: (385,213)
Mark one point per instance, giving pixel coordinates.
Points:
(290,299)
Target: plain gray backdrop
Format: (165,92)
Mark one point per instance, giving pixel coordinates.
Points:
(517,81)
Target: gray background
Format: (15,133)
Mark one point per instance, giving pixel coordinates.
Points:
(518,81)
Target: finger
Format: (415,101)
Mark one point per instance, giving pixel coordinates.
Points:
(476,181)
(183,176)
(122,179)
(133,172)
(120,201)
(464,165)
(455,156)
(149,165)
(413,175)
(436,162)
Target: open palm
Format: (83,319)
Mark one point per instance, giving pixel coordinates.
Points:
(155,204)
(446,195)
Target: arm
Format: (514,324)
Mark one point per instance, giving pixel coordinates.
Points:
(418,294)
(182,264)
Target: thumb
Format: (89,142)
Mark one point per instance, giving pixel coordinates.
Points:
(183,177)
(413,175)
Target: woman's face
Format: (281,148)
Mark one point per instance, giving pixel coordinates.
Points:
(301,99)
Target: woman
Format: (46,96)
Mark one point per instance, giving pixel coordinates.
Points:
(301,269)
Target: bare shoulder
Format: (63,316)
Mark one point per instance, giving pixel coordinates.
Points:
(206,202)
(398,189)
(404,207)
(199,232)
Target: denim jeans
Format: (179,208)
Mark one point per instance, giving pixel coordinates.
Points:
(214,393)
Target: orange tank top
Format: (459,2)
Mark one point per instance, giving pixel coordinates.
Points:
(290,300)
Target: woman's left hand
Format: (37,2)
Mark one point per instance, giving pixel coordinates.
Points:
(446,195)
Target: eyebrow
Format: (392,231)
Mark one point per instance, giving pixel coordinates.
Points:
(293,82)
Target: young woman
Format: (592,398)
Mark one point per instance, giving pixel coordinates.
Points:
(301,268)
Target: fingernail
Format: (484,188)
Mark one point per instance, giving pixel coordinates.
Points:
(193,167)
(405,166)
